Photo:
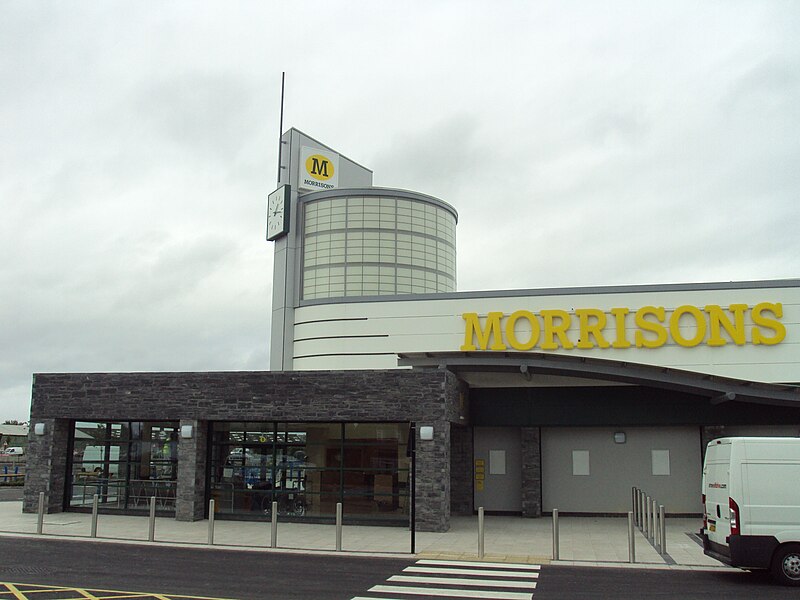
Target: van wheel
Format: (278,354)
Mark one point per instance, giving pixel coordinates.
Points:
(786,565)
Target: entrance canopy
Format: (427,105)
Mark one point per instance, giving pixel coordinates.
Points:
(536,369)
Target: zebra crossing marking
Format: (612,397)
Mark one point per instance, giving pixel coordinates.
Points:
(462,581)
(454,571)
(452,593)
(466,563)
(425,578)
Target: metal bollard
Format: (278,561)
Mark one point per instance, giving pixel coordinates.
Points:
(338,526)
(662,513)
(631,539)
(654,515)
(644,514)
(95,503)
(211,507)
(555,534)
(273,535)
(40,522)
(656,527)
(641,511)
(481,532)
(152,533)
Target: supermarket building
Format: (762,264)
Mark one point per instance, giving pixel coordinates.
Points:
(519,401)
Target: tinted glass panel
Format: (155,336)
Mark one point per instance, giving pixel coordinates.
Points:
(124,463)
(306,468)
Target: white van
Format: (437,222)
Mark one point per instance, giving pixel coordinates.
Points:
(94,458)
(751,499)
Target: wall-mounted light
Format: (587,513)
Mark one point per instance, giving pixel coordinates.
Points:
(38,429)
(619,437)
(426,432)
(187,431)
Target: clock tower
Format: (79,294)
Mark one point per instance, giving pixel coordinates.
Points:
(307,166)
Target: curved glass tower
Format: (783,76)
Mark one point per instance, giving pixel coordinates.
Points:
(337,237)
(375,241)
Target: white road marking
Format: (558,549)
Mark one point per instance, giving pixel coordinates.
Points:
(496,579)
(464,563)
(499,583)
(493,572)
(425,591)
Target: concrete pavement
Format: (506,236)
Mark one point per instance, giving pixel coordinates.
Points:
(583,540)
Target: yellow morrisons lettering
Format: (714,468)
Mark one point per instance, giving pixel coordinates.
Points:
(654,326)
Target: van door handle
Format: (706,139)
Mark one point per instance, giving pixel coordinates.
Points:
(719,516)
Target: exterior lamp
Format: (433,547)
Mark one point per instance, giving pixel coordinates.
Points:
(38,429)
(426,432)
(187,431)
(619,437)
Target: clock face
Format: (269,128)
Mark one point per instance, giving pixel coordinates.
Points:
(277,213)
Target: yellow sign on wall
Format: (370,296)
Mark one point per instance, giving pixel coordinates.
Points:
(480,474)
(585,328)
(319,169)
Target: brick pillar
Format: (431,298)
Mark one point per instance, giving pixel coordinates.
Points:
(531,472)
(461,453)
(46,470)
(433,479)
(190,498)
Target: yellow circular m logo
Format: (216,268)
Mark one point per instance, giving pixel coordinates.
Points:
(319,167)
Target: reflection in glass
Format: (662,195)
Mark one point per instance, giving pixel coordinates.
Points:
(306,468)
(124,463)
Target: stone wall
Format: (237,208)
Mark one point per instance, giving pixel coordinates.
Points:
(190,495)
(531,472)
(461,454)
(425,397)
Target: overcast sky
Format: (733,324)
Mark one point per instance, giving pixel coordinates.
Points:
(582,143)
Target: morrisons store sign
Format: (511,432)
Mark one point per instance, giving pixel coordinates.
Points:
(647,327)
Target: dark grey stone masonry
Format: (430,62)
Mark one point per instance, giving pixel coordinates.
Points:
(531,472)
(461,471)
(190,496)
(425,397)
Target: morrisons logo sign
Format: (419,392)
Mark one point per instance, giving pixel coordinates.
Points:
(319,169)
(646,327)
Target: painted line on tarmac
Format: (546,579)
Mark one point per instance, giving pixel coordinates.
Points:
(453,593)
(444,571)
(499,583)
(464,563)
(30,591)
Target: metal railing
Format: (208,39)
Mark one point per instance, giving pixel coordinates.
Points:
(556,536)
(650,518)
(647,515)
(13,473)
(151,522)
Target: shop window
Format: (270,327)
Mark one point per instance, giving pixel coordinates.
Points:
(124,463)
(306,468)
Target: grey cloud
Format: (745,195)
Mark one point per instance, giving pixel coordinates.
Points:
(579,145)
(212,114)
(772,82)
(435,159)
